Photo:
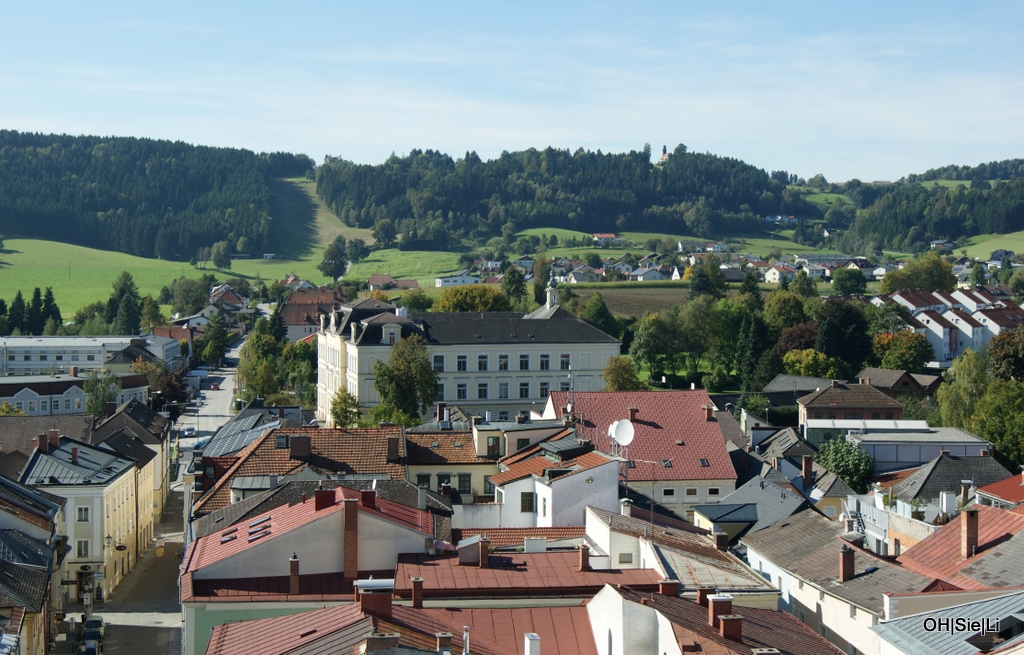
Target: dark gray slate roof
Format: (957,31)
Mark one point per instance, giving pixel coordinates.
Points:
(506,327)
(784,382)
(945,472)
(785,443)
(728,513)
(128,446)
(19,548)
(21,586)
(24,497)
(751,465)
(773,502)
(147,425)
(236,435)
(17,432)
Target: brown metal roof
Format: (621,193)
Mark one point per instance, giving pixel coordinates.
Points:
(848,396)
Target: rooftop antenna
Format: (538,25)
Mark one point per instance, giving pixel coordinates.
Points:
(465,640)
(622,435)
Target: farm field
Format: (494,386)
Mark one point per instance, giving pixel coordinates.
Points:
(981,246)
(827,198)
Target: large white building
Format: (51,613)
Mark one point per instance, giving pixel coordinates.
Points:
(36,355)
(46,395)
(499,362)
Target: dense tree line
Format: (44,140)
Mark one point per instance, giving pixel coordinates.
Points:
(38,315)
(1008,169)
(429,197)
(139,196)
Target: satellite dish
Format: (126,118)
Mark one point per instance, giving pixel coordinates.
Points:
(611,429)
(623,433)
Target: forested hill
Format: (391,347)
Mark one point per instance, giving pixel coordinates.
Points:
(438,198)
(139,196)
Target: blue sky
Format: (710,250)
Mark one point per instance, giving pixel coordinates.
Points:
(867,90)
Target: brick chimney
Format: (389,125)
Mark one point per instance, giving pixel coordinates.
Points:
(293,574)
(969,533)
(379,643)
(807,470)
(835,384)
(731,627)
(985,452)
(846,563)
(718,605)
(368,498)
(702,595)
(417,592)
(111,409)
(300,447)
(444,641)
(485,552)
(323,498)
(43,443)
(74,455)
(584,558)
(350,539)
(721,540)
(709,413)
(633,411)
(393,450)
(446,490)
(440,414)
(668,587)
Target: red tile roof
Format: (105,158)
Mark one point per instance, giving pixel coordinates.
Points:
(282,634)
(939,320)
(210,549)
(428,448)
(669,425)
(537,465)
(318,587)
(504,537)
(1010,490)
(521,574)
(363,450)
(938,555)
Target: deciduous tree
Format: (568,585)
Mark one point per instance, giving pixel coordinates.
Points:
(964,385)
(905,350)
(472,298)
(848,461)
(344,409)
(620,374)
(335,259)
(848,282)
(408,382)
(1006,355)
(811,363)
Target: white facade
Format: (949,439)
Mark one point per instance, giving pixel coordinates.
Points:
(456,280)
(514,379)
(71,401)
(42,355)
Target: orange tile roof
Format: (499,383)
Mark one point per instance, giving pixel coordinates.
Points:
(504,537)
(521,574)
(425,448)
(1011,489)
(349,451)
(282,634)
(669,425)
(537,465)
(938,555)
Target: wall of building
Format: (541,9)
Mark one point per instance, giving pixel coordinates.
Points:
(201,618)
(477,472)
(831,617)
(624,628)
(684,493)
(908,531)
(570,495)
(381,542)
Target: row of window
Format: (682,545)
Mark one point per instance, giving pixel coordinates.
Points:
(56,358)
(464,482)
(483,390)
(43,404)
(874,415)
(483,362)
(690,491)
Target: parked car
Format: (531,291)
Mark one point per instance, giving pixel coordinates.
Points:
(95,622)
(190,431)
(90,648)
(214,387)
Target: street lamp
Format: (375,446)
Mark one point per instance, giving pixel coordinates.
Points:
(108,540)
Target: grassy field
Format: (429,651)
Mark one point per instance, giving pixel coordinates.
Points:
(827,198)
(981,246)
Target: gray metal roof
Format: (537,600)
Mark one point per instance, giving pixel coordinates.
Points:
(930,435)
(250,482)
(784,382)
(773,502)
(20,548)
(909,635)
(95,465)
(868,425)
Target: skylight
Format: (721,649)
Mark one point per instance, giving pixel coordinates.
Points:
(704,462)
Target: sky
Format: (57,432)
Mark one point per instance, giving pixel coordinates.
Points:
(867,90)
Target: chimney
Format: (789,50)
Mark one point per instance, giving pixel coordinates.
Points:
(584,557)
(43,443)
(379,642)
(323,498)
(807,471)
(984,452)
(943,452)
(702,595)
(280,412)
(446,490)
(293,575)
(633,411)
(709,413)
(368,498)
(393,450)
(531,643)
(721,540)
(73,371)
(485,552)
(440,411)
(866,381)
(350,539)
(476,421)
(731,627)
(624,503)
(421,499)
(417,593)
(846,563)
(111,409)
(668,587)
(969,533)
(54,437)
(74,455)
(718,605)
(300,447)
(444,641)
(835,384)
